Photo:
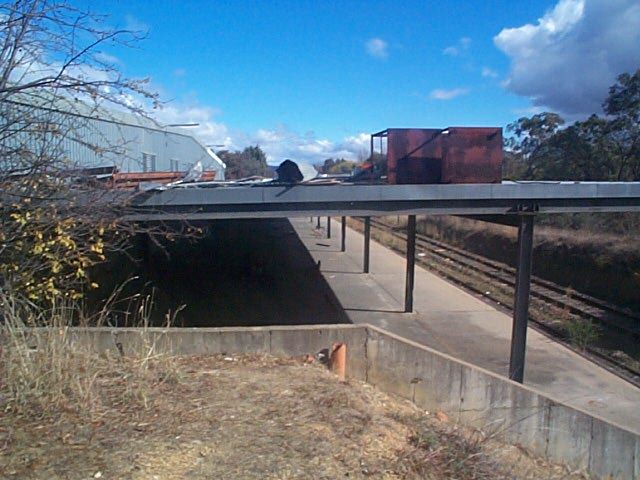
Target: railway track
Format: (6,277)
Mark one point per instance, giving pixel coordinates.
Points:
(469,269)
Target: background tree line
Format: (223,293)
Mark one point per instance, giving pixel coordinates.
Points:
(246,163)
(336,166)
(605,148)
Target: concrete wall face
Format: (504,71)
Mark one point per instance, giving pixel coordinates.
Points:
(297,341)
(433,381)
(283,341)
(516,414)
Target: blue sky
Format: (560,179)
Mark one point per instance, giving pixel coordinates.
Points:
(309,78)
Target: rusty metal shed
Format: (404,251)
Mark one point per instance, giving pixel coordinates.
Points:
(449,155)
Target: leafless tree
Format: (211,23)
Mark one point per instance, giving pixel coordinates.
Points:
(55,75)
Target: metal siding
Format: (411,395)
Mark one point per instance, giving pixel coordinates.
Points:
(95,142)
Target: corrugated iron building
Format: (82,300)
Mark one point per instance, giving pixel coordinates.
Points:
(89,136)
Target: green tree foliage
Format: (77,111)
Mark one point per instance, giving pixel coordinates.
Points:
(337,166)
(530,140)
(513,167)
(599,148)
(250,161)
(623,106)
(577,152)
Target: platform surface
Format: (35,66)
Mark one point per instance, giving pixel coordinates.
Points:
(455,322)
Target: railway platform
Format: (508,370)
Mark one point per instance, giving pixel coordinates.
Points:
(462,325)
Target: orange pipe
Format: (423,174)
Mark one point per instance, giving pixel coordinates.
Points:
(338,360)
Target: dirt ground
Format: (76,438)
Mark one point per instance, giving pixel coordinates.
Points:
(250,417)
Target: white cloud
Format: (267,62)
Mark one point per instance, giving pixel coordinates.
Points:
(281,143)
(568,59)
(208,131)
(489,73)
(377,48)
(134,25)
(528,111)
(444,94)
(179,72)
(461,46)
(106,58)
(278,143)
(451,51)
(33,66)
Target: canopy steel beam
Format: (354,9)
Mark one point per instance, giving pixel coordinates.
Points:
(376,200)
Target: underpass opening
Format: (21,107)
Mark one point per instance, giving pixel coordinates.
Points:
(238,273)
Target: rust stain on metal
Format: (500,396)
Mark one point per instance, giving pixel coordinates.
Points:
(450,155)
(132,180)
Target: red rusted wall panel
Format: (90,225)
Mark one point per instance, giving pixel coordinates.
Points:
(472,155)
(454,155)
(410,153)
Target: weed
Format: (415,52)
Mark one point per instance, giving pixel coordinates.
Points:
(582,333)
(446,452)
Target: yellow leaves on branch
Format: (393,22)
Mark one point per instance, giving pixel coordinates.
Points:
(97,247)
(21,219)
(47,257)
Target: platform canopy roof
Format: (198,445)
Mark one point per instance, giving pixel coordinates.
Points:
(208,202)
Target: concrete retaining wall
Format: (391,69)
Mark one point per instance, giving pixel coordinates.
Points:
(515,413)
(433,381)
(283,341)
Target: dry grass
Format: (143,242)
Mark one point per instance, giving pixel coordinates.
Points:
(243,417)
(66,412)
(597,240)
(44,371)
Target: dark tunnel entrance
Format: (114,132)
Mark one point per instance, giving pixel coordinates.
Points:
(241,273)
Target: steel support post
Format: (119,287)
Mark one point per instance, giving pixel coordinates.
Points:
(328,227)
(521,301)
(318,225)
(411,263)
(343,235)
(367,241)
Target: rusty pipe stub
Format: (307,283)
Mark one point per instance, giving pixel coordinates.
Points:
(338,360)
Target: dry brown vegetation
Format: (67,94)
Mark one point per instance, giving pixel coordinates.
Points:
(588,259)
(67,413)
